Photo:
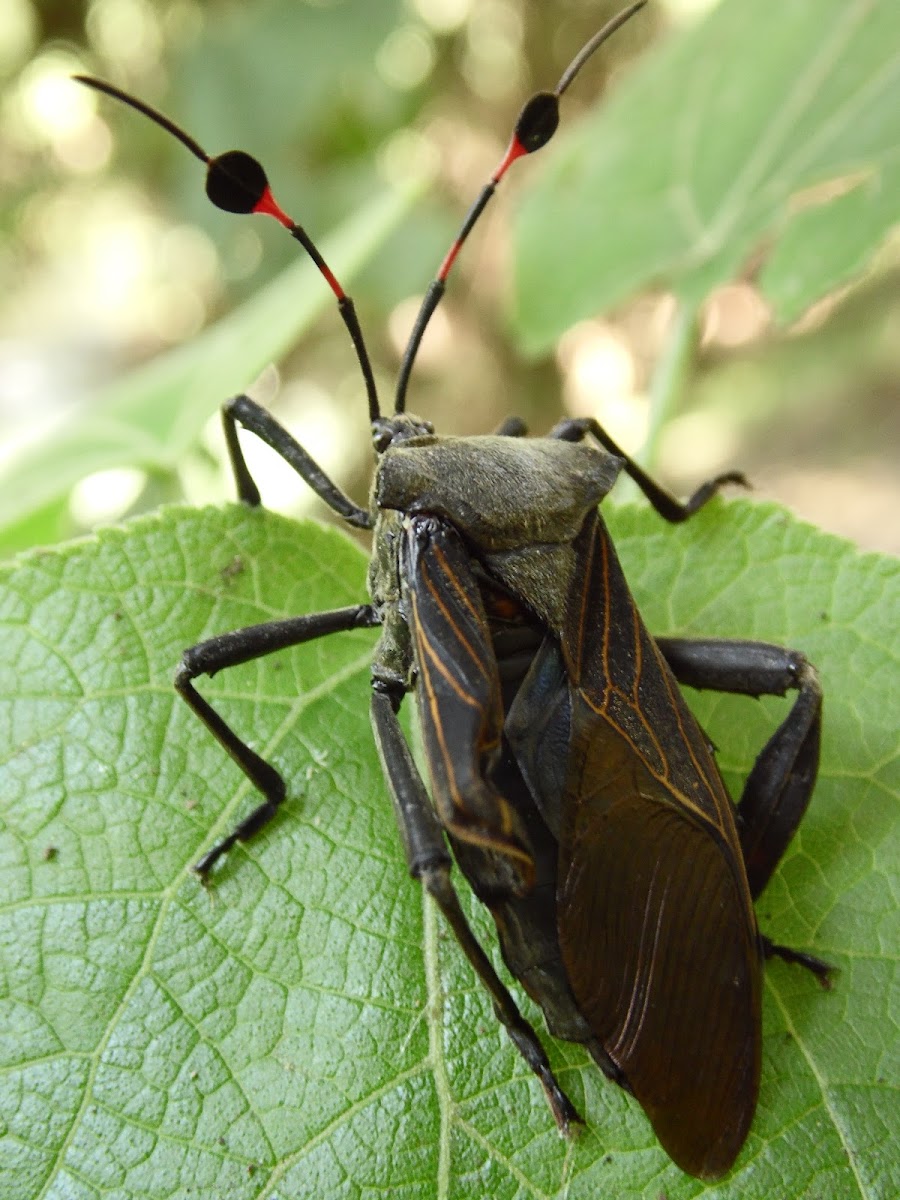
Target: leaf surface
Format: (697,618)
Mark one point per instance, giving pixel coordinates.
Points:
(307,1027)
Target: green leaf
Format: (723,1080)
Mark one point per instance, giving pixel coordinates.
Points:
(696,160)
(154,415)
(825,244)
(307,1027)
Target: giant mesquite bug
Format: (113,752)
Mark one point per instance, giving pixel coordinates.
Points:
(578,795)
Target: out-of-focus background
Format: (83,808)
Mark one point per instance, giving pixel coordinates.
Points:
(111,257)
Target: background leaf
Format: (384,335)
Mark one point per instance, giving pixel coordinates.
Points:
(307,1028)
(697,159)
(151,417)
(107,265)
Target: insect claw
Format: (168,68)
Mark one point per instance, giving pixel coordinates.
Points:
(822,970)
(568,1119)
(202,868)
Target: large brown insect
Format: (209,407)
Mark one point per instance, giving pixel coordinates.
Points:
(578,794)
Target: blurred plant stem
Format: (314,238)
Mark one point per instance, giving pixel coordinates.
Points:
(672,375)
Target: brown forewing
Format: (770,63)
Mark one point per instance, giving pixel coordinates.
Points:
(459,698)
(656,925)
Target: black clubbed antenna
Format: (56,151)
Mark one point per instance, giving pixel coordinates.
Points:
(237,183)
(534,128)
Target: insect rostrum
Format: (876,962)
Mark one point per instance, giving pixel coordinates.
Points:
(577,793)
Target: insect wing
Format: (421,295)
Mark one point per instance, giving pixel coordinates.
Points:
(656,925)
(647,914)
(459,698)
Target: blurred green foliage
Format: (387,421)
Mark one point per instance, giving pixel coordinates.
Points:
(322,94)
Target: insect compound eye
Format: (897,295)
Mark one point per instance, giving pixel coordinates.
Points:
(382,434)
(537,121)
(235,181)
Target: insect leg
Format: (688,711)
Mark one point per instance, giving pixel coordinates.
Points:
(780,784)
(668,506)
(429,861)
(240,646)
(821,969)
(241,410)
